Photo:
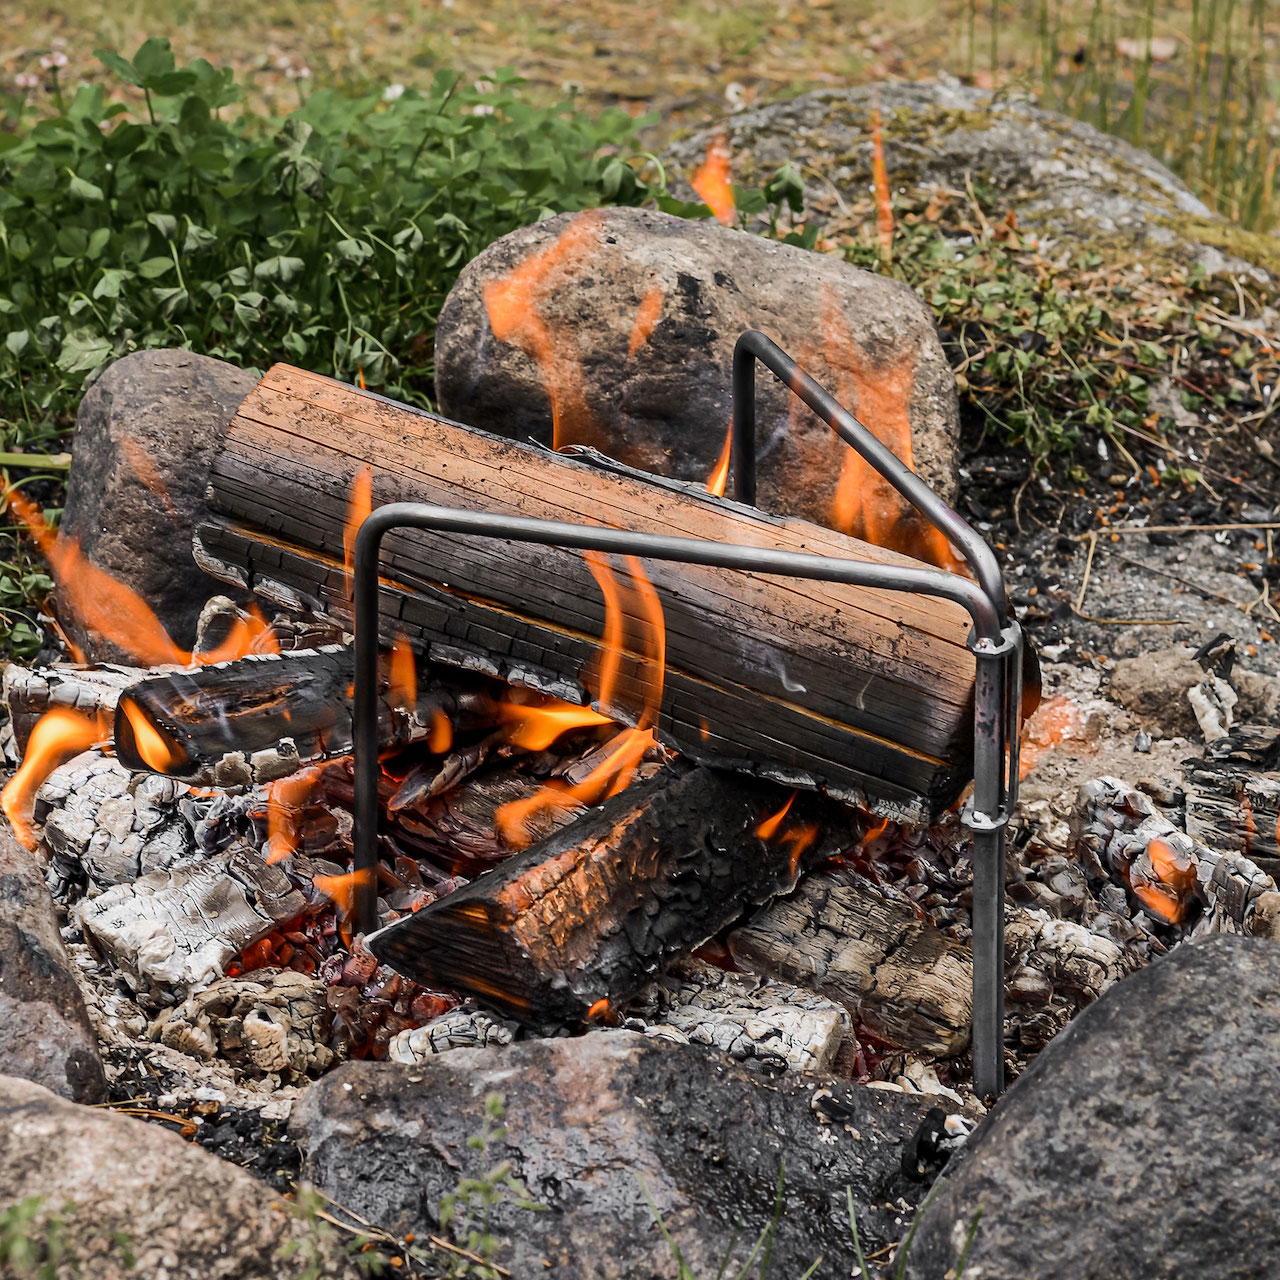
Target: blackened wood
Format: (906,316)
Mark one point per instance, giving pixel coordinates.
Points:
(585,916)
(1233,794)
(871,950)
(264,717)
(864,691)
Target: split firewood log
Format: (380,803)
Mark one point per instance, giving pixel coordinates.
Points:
(171,931)
(578,921)
(872,951)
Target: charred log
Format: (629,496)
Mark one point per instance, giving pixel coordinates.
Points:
(264,717)
(873,952)
(1233,794)
(577,922)
(867,692)
(29,692)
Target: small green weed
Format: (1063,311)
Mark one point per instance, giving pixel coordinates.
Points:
(37,1245)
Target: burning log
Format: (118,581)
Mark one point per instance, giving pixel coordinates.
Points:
(1233,793)
(577,922)
(29,692)
(867,692)
(741,1015)
(264,717)
(870,950)
(177,929)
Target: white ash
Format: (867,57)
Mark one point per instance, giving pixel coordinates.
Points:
(463,1028)
(29,692)
(271,1023)
(172,931)
(1213,700)
(742,1015)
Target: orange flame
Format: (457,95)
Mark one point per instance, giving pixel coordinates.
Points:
(711,181)
(535,726)
(402,676)
(604,670)
(769,827)
(719,476)
(1157,900)
(440,737)
(1053,723)
(117,613)
(512,307)
(147,471)
(286,798)
(359,509)
(341,891)
(866,505)
(646,318)
(884,202)
(105,605)
(156,751)
(799,840)
(1175,869)
(57,736)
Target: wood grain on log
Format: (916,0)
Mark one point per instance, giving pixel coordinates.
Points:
(586,915)
(873,952)
(861,690)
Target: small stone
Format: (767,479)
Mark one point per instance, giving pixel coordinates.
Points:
(1142,742)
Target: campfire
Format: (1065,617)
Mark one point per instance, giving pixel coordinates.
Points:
(533,741)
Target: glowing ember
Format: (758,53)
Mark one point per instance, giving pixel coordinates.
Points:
(512,307)
(711,181)
(341,890)
(719,476)
(1055,722)
(57,736)
(646,318)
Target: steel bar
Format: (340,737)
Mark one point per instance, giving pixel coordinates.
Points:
(995,641)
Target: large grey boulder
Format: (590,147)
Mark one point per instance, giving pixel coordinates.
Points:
(131,1200)
(593,1124)
(145,436)
(45,1033)
(1143,1142)
(628,326)
(1064,180)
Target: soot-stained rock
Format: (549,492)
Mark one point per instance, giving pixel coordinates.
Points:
(594,1122)
(621,324)
(45,1034)
(1141,1144)
(1065,181)
(145,436)
(136,1200)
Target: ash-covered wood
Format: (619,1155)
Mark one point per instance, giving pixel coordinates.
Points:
(582,918)
(264,717)
(871,950)
(272,1022)
(174,930)
(1233,793)
(742,1015)
(464,1028)
(31,691)
(867,691)
(1120,834)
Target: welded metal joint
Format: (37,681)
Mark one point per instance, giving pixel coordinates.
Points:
(996,642)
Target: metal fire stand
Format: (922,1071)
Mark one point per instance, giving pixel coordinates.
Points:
(996,642)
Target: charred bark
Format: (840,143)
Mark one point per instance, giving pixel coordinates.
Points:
(577,922)
(1233,794)
(866,692)
(261,718)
